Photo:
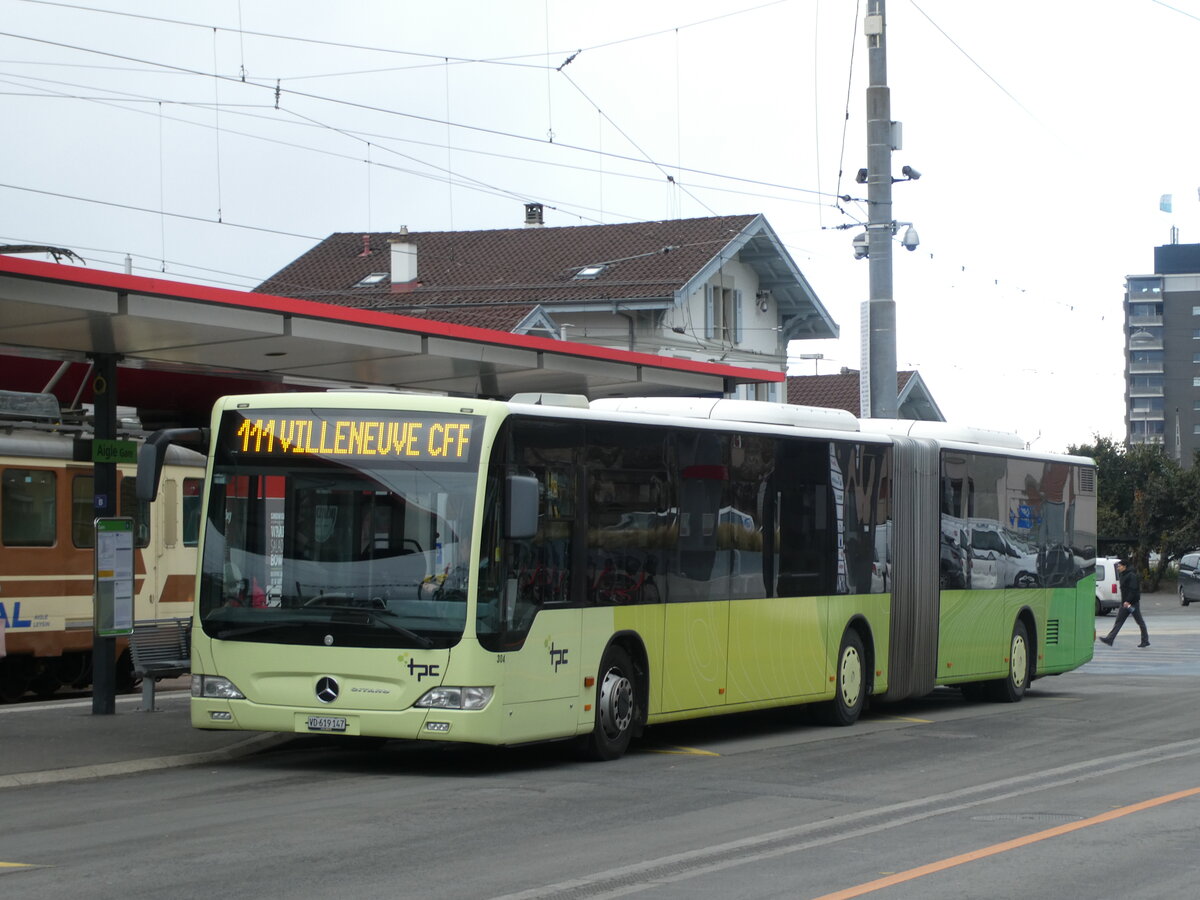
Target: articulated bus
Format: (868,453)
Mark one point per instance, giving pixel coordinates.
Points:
(503,572)
(47,556)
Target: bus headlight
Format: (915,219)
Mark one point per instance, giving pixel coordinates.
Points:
(456,698)
(214,687)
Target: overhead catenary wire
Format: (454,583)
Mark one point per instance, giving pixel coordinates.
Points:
(374,149)
(434,59)
(431,120)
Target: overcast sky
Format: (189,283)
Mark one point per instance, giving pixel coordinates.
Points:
(215,142)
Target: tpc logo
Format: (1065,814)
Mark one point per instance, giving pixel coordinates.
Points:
(422,670)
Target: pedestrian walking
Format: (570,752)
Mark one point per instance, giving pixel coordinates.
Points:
(1131,603)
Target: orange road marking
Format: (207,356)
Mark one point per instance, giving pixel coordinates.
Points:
(684,751)
(982,853)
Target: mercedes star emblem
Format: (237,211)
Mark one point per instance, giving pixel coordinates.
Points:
(327,689)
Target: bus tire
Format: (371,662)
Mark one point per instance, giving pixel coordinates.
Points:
(850,683)
(617,712)
(1012,688)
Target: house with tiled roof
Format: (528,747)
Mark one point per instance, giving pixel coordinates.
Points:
(841,391)
(719,288)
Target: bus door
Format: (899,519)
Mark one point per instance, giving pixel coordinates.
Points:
(696,643)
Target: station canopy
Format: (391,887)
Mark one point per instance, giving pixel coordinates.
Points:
(180,346)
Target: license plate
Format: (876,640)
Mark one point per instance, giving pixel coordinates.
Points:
(326,723)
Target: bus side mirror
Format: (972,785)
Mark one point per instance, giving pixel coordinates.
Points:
(521,504)
(152,454)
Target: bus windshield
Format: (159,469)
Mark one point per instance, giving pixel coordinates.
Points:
(343,550)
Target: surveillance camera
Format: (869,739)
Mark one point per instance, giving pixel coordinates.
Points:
(910,172)
(862,245)
(910,241)
(861,177)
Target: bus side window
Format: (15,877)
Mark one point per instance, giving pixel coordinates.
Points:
(631,517)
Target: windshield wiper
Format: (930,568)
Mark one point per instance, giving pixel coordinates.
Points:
(374,616)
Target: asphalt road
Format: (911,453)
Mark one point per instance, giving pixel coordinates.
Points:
(1088,788)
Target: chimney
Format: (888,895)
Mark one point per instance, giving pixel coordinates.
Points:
(404,259)
(533,215)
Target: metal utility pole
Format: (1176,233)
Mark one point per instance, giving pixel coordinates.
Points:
(104,660)
(877,384)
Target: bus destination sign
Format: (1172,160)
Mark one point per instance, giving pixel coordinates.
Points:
(351,435)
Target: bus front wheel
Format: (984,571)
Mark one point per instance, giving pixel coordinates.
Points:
(616,707)
(850,683)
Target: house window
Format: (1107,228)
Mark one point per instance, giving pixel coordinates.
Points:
(373,279)
(723,314)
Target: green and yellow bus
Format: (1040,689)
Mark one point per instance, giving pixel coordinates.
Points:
(544,568)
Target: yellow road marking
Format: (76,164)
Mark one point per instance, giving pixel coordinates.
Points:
(4,865)
(903,719)
(963,858)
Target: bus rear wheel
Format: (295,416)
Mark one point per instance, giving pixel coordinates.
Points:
(617,710)
(850,683)
(1012,688)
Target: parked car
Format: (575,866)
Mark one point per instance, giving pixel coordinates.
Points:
(1189,577)
(1108,591)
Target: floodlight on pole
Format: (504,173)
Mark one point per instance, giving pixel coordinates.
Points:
(815,357)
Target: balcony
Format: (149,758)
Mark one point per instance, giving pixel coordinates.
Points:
(1146,391)
(1136,321)
(1146,368)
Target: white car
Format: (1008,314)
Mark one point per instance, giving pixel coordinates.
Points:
(1108,590)
(998,562)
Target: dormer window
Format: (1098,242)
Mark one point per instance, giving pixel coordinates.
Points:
(589,272)
(373,279)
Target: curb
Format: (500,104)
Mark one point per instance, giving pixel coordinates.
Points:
(105,770)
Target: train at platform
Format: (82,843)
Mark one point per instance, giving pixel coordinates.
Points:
(47,554)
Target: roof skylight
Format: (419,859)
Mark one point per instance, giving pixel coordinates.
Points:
(588,272)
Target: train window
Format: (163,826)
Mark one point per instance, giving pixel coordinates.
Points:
(83,502)
(168,517)
(138,510)
(28,508)
(193,488)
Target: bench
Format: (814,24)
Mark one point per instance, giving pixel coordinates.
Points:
(160,649)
